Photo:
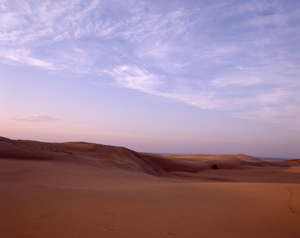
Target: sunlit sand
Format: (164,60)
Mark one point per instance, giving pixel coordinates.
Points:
(80,189)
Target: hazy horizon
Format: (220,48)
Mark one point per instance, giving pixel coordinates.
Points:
(191,77)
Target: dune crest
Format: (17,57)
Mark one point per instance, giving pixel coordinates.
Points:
(114,157)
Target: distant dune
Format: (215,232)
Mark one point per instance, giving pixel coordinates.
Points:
(122,158)
(79,189)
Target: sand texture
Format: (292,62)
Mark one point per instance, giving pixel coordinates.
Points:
(80,189)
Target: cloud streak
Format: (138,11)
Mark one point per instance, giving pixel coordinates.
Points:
(34,118)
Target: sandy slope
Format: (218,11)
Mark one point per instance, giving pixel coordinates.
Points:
(92,190)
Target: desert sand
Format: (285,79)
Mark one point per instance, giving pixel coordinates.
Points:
(80,189)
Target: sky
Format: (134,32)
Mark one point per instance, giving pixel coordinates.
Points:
(153,76)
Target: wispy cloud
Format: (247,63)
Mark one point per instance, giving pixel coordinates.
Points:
(237,81)
(24,56)
(34,118)
(135,78)
(238,56)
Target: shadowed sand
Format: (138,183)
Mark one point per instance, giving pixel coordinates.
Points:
(80,189)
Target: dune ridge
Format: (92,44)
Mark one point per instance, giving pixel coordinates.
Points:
(99,155)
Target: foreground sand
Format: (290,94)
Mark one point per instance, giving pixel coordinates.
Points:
(90,190)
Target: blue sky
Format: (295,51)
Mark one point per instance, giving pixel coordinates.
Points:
(157,76)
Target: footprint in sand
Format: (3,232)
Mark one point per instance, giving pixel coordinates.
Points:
(290,204)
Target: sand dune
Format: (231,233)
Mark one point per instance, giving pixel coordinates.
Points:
(122,158)
(80,189)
